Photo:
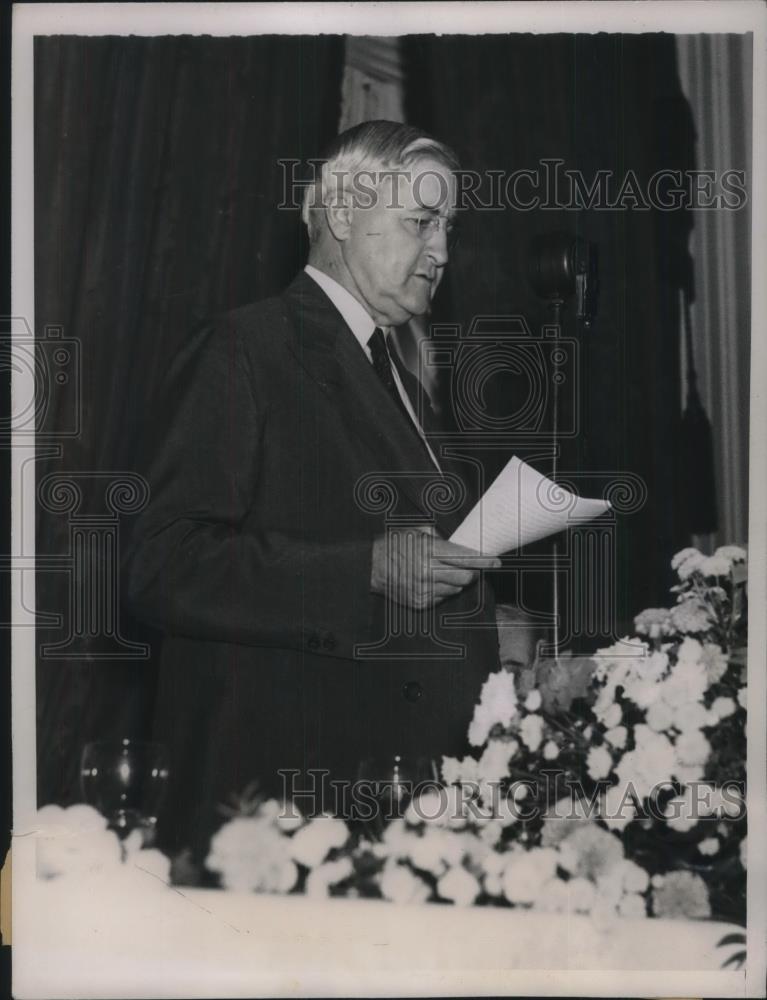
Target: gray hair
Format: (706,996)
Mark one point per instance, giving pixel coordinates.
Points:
(368,147)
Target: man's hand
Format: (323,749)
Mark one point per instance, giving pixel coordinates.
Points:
(416,568)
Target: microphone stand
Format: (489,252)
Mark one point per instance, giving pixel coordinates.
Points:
(556,305)
(560,266)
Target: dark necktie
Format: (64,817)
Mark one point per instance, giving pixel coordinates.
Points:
(382,365)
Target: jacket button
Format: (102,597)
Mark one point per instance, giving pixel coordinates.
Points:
(329,642)
(313,642)
(412,690)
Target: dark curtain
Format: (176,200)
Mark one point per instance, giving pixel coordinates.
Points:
(599,103)
(156,191)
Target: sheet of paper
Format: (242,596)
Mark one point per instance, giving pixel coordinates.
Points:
(522,506)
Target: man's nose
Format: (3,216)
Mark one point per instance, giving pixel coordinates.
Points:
(436,245)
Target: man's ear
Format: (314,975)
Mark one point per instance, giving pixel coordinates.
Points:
(339,217)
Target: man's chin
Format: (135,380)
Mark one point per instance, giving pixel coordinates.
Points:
(403,310)
(418,306)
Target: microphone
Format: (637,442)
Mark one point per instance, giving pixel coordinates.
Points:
(560,266)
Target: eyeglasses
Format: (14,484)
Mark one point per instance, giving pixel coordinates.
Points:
(425,226)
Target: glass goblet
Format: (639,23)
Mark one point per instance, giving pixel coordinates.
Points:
(125,781)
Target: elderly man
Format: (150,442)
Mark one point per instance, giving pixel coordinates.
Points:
(294,551)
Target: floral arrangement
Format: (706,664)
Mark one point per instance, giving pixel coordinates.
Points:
(76,841)
(612,785)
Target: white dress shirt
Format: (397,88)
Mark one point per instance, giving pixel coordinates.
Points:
(362,326)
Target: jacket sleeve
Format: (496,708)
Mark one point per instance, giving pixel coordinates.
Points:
(193,569)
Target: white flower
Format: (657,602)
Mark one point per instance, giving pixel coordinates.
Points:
(459,886)
(323,876)
(634,877)
(505,806)
(689,651)
(682,812)
(289,817)
(313,842)
(687,557)
(440,807)
(80,817)
(590,851)
(526,872)
(553,897)
(617,808)
(494,762)
(457,772)
(606,696)
(150,860)
(599,763)
(436,849)
(490,832)
(251,855)
(691,716)
(743,697)
(400,885)
(456,806)
(723,707)
(652,761)
(568,857)
(715,662)
(75,841)
(494,863)
(531,731)
(734,553)
(654,622)
(617,737)
(612,716)
(709,846)
(644,693)
(533,701)
(687,683)
(691,616)
(493,885)
(74,850)
(550,750)
(682,895)
(692,747)
(562,818)
(610,894)
(660,717)
(639,678)
(396,841)
(632,907)
(609,884)
(429,806)
(688,774)
(269,810)
(497,705)
(716,565)
(687,562)
(425,853)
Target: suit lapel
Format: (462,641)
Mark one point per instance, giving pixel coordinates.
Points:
(326,348)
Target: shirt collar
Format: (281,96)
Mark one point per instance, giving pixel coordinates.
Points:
(353,312)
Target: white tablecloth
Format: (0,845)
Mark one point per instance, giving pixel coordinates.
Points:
(128,934)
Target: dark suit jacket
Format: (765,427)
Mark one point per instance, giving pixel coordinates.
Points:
(278,458)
